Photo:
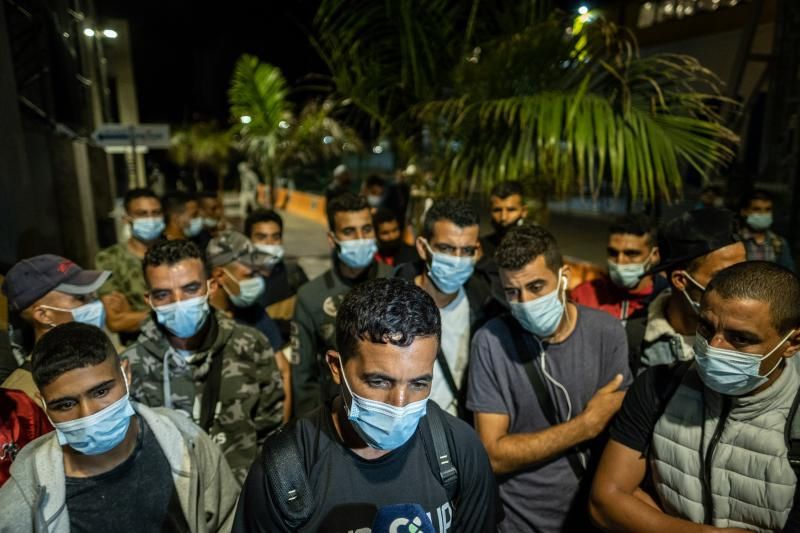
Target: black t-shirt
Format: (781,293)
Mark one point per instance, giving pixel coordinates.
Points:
(644,404)
(348,490)
(138,495)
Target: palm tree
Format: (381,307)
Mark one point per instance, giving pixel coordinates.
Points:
(272,136)
(202,145)
(504,93)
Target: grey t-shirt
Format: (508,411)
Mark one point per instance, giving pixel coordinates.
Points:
(539,497)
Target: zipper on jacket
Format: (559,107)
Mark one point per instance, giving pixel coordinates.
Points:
(708,501)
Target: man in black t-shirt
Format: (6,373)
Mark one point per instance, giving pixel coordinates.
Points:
(110,464)
(366,448)
(712,433)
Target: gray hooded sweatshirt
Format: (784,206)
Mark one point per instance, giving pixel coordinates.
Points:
(33,498)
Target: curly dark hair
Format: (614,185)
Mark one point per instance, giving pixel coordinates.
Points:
(170,253)
(459,212)
(344,203)
(67,347)
(385,310)
(523,244)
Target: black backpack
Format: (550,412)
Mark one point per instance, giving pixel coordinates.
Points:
(289,485)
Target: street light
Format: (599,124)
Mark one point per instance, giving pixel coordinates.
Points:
(110,34)
(283,124)
(377,149)
(583,10)
(89,32)
(246,119)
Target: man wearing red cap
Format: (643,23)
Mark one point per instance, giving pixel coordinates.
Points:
(45,291)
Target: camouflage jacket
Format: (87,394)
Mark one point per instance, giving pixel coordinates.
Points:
(314,333)
(127,277)
(235,357)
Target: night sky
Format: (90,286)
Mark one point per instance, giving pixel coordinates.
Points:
(184,51)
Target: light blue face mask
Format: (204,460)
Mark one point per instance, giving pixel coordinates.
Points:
(448,272)
(731,372)
(628,276)
(92,313)
(184,318)
(759,221)
(210,222)
(273,253)
(98,433)
(147,229)
(249,290)
(380,425)
(542,315)
(357,253)
(194,228)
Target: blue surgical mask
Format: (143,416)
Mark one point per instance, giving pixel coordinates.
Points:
(210,222)
(542,315)
(357,253)
(448,272)
(627,276)
(92,313)
(759,221)
(731,372)
(380,425)
(147,229)
(692,303)
(194,228)
(249,290)
(98,433)
(273,253)
(184,318)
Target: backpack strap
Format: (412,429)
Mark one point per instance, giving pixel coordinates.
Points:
(458,394)
(525,352)
(447,472)
(285,478)
(793,444)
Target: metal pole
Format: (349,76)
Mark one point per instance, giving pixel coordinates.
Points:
(135,181)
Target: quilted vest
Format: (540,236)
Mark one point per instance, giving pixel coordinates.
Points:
(745,479)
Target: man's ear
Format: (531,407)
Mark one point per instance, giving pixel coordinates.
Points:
(566,272)
(792,345)
(524,211)
(40,400)
(41,315)
(333,358)
(331,241)
(678,280)
(126,368)
(217,273)
(422,250)
(656,257)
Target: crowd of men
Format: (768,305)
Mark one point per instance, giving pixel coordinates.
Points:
(197,380)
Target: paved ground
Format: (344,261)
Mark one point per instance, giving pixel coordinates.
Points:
(308,241)
(582,237)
